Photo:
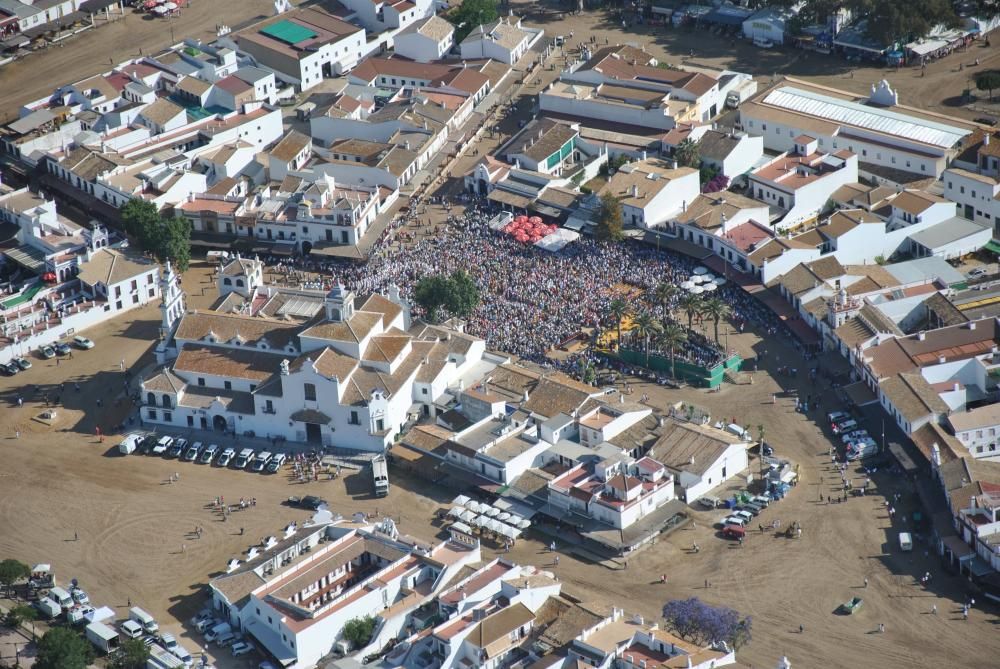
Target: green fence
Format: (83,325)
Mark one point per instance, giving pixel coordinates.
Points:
(704,377)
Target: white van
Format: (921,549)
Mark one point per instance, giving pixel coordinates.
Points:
(131,629)
(905,542)
(130,443)
(147,621)
(61,597)
(182,654)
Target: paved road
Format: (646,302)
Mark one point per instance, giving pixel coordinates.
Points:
(96,50)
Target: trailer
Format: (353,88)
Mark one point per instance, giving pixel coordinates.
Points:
(380,476)
(103,637)
(160,658)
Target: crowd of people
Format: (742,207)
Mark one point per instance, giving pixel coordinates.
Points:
(533,300)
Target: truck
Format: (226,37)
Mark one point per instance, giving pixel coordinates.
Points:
(103,637)
(862,449)
(147,621)
(130,443)
(61,597)
(741,94)
(380,476)
(48,608)
(160,658)
(905,542)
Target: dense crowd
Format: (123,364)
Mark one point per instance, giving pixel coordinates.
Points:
(532,299)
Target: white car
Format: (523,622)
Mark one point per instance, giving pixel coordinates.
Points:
(979,271)
(83,342)
(241,648)
(851,436)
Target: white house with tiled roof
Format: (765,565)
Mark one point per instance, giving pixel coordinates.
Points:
(121,282)
(305,366)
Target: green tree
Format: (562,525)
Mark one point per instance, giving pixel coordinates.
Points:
(132,654)
(609,220)
(174,242)
(691,305)
(646,327)
(463,294)
(618,310)
(141,220)
(19,614)
(359,630)
(670,338)
(687,155)
(431,293)
(715,309)
(988,81)
(12,571)
(470,15)
(63,648)
(664,293)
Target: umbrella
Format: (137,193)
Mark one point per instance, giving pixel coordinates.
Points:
(159,10)
(504,516)
(708,277)
(687,285)
(505,530)
(461,500)
(473,505)
(719,281)
(514,532)
(456,512)
(491,511)
(466,515)
(708,287)
(697,290)
(170,6)
(493,525)
(482,521)
(700,270)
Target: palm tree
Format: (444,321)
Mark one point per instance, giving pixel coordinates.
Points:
(691,304)
(618,310)
(715,309)
(646,327)
(671,337)
(664,293)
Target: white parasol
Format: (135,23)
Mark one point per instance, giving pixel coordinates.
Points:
(708,287)
(473,505)
(697,290)
(720,281)
(700,270)
(461,500)
(169,6)
(457,511)
(707,277)
(687,285)
(504,516)
(491,511)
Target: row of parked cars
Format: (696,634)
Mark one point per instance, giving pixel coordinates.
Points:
(220,633)
(857,442)
(204,454)
(59,349)
(734,525)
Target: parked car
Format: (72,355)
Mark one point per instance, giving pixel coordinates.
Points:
(83,342)
(744,512)
(47,352)
(227,455)
(208,454)
(192,453)
(162,445)
(10,368)
(168,641)
(261,461)
(853,436)
(845,426)
(734,531)
(243,459)
(761,500)
(62,348)
(836,416)
(176,448)
(766,450)
(276,463)
(23,363)
(308,502)
(734,520)
(241,648)
(80,596)
(978,272)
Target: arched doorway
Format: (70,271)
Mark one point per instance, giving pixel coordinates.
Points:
(219,423)
(307,247)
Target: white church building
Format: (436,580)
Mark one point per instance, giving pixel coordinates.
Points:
(303,365)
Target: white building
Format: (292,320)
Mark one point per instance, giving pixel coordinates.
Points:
(426,40)
(617,102)
(700,457)
(653,192)
(505,40)
(118,281)
(769,23)
(887,138)
(293,593)
(303,46)
(305,366)
(801,182)
(979,430)
(731,153)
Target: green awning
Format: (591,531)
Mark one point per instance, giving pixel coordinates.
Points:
(993,246)
(288,32)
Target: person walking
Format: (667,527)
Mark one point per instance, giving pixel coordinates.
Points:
(881,628)
(866,581)
(801,628)
(934,610)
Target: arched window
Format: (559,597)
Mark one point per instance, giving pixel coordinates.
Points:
(310,391)
(239,283)
(151,399)
(166,401)
(227,282)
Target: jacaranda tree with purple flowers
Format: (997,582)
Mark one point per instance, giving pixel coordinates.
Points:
(700,623)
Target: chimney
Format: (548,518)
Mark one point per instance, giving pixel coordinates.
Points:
(921,335)
(941,360)
(524,395)
(954,387)
(673,164)
(972,325)
(986,139)
(635,190)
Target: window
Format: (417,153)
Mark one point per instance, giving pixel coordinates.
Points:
(168,416)
(379,425)
(961,189)
(354,418)
(253,387)
(228,385)
(310,392)
(201,380)
(151,414)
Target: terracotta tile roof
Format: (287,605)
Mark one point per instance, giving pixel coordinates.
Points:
(109,266)
(235,363)
(915,202)
(197,325)
(290,146)
(328,362)
(912,396)
(359,326)
(383,305)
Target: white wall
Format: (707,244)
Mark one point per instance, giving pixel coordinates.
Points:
(614,113)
